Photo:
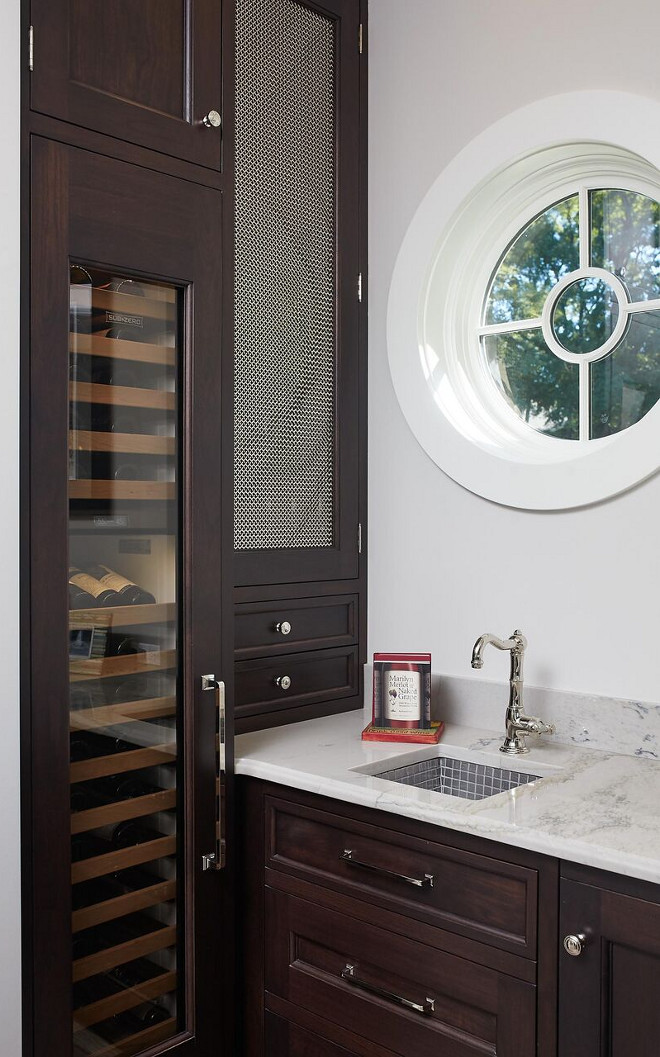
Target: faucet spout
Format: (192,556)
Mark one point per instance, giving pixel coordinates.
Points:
(517,641)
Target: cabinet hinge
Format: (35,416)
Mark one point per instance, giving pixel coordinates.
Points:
(360,38)
(359,287)
(31,48)
(359,541)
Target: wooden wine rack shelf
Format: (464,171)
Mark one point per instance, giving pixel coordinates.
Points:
(89,489)
(121,810)
(127,712)
(134,1043)
(119,349)
(111,957)
(122,858)
(120,762)
(124,1000)
(130,664)
(111,909)
(122,395)
(159,304)
(131,443)
(123,616)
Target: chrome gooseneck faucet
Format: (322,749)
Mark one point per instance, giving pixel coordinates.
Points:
(518,725)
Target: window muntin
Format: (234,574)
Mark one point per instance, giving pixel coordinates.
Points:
(579,285)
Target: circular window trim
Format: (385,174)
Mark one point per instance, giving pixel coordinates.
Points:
(560,145)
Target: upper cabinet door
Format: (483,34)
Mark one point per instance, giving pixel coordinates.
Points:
(297,289)
(145,71)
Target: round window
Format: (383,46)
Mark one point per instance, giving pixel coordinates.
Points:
(524,310)
(571,321)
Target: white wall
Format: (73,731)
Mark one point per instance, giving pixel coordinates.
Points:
(446,565)
(10,992)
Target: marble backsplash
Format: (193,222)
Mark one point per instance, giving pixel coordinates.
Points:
(605,723)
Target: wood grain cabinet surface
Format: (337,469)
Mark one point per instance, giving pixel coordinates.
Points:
(425,944)
(144,71)
(609,994)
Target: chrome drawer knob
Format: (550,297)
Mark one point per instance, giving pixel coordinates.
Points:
(212,119)
(574,945)
(283,681)
(283,627)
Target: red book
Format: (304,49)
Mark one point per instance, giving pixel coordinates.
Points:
(408,735)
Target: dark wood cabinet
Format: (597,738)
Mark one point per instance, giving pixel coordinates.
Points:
(609,993)
(129,944)
(368,934)
(144,71)
(300,319)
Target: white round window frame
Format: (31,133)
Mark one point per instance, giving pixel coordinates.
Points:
(518,167)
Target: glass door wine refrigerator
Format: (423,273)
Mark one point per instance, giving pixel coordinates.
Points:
(129,885)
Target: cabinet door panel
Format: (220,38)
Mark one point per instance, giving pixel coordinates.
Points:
(297,373)
(123,739)
(146,71)
(608,995)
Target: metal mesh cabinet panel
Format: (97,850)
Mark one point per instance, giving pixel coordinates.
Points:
(285,279)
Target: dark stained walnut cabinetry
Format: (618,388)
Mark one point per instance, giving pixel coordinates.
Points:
(127,582)
(300,319)
(144,71)
(609,993)
(367,934)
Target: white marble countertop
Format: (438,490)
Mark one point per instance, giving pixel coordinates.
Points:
(596,808)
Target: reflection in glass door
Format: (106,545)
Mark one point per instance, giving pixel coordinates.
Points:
(124,663)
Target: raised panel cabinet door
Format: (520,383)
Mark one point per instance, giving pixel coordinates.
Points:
(144,71)
(130,948)
(609,993)
(297,220)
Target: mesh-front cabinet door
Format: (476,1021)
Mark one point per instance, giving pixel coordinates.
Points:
(144,71)
(297,290)
(129,636)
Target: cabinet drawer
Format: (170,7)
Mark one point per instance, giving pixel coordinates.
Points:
(295,679)
(285,1039)
(399,994)
(314,623)
(463,892)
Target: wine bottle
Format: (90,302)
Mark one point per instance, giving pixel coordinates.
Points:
(130,788)
(115,372)
(87,745)
(101,593)
(132,832)
(80,597)
(136,972)
(87,846)
(129,592)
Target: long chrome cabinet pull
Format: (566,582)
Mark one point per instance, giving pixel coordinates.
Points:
(419,882)
(216,860)
(426,1008)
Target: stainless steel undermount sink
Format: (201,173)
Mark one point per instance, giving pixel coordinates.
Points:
(443,774)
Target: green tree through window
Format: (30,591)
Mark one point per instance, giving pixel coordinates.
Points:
(608,392)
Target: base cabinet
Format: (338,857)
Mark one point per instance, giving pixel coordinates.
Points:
(375,936)
(609,989)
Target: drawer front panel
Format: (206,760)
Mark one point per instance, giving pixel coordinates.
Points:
(284,1039)
(462,892)
(312,623)
(295,679)
(401,995)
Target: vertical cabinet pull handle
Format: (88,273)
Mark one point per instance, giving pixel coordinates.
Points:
(426,1008)
(215,860)
(418,882)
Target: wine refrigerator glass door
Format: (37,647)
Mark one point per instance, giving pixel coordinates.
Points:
(124,662)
